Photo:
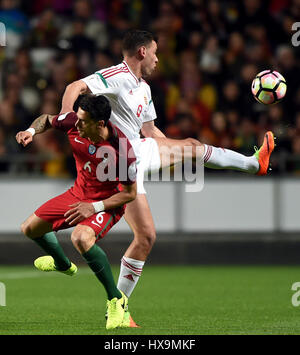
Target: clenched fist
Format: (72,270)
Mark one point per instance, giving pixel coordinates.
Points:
(24,137)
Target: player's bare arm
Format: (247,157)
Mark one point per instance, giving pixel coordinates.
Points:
(71,94)
(82,210)
(39,125)
(150,130)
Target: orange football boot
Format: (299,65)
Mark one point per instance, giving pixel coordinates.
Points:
(264,152)
(128,322)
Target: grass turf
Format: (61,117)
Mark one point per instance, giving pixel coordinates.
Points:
(177,300)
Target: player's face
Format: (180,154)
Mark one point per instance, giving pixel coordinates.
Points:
(150,60)
(87,128)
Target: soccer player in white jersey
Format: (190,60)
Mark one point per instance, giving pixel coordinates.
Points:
(133,111)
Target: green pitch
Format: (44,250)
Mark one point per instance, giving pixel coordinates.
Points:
(168,300)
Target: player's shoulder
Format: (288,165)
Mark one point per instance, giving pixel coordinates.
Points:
(65,121)
(114,73)
(120,138)
(109,70)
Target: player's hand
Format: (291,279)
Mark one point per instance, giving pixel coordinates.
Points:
(78,212)
(24,137)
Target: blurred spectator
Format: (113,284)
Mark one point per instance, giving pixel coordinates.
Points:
(234,56)
(288,66)
(115,50)
(49,146)
(81,44)
(60,6)
(168,62)
(4,165)
(246,136)
(8,117)
(184,126)
(102,60)
(45,29)
(93,29)
(167,20)
(10,122)
(210,58)
(16,24)
(248,106)
(216,19)
(230,97)
(294,164)
(220,129)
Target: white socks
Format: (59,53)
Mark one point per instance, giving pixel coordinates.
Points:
(220,158)
(130,273)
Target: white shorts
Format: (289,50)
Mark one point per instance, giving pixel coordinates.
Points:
(148,159)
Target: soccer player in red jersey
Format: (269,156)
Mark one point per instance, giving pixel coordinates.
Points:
(104,159)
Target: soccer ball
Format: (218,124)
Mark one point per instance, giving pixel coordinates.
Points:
(269,87)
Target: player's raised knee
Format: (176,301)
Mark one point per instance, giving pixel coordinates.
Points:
(197,146)
(24,228)
(27,229)
(193,142)
(83,238)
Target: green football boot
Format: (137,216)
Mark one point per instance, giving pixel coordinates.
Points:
(46,263)
(115,311)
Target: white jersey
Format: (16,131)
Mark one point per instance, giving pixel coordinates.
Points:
(130,97)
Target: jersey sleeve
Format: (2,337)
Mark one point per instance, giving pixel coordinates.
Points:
(99,86)
(96,83)
(65,121)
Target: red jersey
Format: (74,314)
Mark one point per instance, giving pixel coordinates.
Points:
(101,167)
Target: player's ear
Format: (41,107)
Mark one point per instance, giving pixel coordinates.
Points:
(101,123)
(142,52)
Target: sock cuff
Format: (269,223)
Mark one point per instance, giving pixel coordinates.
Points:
(207,152)
(136,266)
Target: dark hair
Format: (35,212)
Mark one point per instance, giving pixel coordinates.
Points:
(134,39)
(97,106)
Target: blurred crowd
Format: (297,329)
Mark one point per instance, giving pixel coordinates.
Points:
(209,53)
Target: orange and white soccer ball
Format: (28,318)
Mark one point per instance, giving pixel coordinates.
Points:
(269,87)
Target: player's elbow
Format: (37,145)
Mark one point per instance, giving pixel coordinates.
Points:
(77,86)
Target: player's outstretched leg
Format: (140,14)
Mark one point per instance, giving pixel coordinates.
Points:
(173,151)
